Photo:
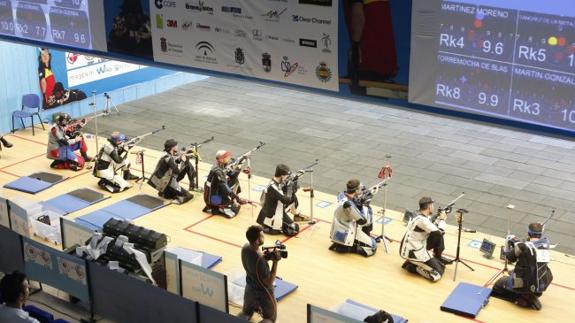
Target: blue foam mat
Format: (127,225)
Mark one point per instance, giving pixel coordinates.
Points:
(466,300)
(283,288)
(29,185)
(362,311)
(124,209)
(208,260)
(69,203)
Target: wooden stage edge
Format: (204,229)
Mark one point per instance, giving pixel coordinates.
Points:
(325,278)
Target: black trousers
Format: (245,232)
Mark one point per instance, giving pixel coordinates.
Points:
(259,301)
(436,243)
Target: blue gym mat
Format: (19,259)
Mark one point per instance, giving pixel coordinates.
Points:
(128,209)
(466,300)
(75,200)
(283,288)
(208,260)
(358,311)
(35,183)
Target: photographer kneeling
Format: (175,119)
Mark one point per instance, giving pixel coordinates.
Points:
(259,293)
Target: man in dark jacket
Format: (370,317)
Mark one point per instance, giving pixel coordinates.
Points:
(276,199)
(531,276)
(170,170)
(222,188)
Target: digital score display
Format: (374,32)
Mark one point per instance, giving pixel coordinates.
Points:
(512,63)
(63,22)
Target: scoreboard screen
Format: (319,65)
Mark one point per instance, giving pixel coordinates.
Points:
(62,22)
(508,59)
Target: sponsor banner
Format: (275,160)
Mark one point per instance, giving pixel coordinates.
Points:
(82,69)
(287,41)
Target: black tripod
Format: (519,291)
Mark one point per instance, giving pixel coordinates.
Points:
(457,259)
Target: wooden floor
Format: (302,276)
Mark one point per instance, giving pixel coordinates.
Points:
(325,278)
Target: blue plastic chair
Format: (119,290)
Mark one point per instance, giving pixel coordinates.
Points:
(30,108)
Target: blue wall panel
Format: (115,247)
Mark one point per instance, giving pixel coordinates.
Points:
(19,76)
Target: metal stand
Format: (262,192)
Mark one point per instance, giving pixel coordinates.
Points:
(250,186)
(457,259)
(311,198)
(140,156)
(110,103)
(93,105)
(197,163)
(505,267)
(386,174)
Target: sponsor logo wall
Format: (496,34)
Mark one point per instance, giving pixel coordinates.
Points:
(82,69)
(286,41)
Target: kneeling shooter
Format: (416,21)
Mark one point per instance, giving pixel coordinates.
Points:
(113,158)
(221,188)
(275,201)
(423,235)
(170,170)
(352,222)
(531,276)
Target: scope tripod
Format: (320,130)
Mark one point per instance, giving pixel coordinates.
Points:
(140,158)
(109,104)
(457,259)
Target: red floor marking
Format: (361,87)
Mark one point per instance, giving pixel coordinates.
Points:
(469,318)
(563,286)
(80,174)
(492,279)
(30,140)
(302,230)
(196,223)
(6,172)
(214,238)
(22,161)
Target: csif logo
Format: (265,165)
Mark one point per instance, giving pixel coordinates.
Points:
(287,67)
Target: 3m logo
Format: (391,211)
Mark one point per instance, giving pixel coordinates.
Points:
(172,23)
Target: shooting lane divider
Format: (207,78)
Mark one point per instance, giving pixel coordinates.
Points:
(23,161)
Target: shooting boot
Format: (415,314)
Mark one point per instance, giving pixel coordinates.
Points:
(87,158)
(5,142)
(129,176)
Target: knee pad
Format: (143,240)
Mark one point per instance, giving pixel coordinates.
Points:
(108,186)
(429,274)
(291,229)
(365,251)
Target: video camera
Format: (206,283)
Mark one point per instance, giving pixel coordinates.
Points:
(270,254)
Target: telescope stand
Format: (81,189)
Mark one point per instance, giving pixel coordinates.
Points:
(457,259)
(110,103)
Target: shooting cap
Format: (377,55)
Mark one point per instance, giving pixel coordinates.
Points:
(221,154)
(352,185)
(169,144)
(63,118)
(425,201)
(117,137)
(282,169)
(535,230)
